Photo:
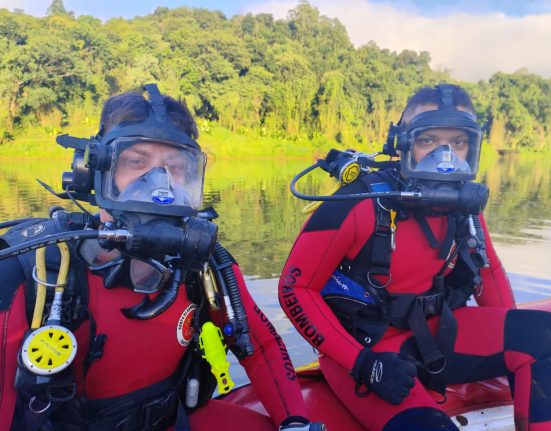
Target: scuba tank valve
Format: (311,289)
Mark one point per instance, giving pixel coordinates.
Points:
(213,348)
(345,167)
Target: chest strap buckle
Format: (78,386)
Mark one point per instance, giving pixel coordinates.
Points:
(431,304)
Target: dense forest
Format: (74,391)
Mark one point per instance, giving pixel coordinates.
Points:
(294,80)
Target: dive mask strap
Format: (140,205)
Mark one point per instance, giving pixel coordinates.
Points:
(156,101)
(393,138)
(447,97)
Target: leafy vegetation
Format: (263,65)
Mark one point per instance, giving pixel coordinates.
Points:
(259,86)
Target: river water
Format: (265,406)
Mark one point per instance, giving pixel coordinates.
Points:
(259,219)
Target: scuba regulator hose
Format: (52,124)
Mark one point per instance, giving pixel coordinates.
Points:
(469,198)
(117,235)
(168,238)
(351,196)
(238,326)
(192,247)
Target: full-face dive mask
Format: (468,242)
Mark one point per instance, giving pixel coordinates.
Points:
(439,155)
(148,175)
(440,145)
(142,167)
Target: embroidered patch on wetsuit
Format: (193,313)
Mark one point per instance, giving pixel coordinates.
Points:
(184,330)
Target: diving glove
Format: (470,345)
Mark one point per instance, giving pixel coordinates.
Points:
(390,375)
(298,423)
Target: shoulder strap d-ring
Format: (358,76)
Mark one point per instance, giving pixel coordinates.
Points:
(378,285)
(38,411)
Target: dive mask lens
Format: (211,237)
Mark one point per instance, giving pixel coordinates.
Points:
(143,275)
(442,154)
(443,160)
(97,257)
(147,276)
(153,171)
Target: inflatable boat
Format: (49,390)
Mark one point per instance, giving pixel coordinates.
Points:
(485,405)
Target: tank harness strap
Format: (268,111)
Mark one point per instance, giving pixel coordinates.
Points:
(41,396)
(382,245)
(446,244)
(153,408)
(154,415)
(409,311)
(422,222)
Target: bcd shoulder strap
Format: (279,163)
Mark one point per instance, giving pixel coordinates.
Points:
(76,292)
(410,311)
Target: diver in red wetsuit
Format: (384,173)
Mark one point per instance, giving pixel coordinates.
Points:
(380,286)
(130,321)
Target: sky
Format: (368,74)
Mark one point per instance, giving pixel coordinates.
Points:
(472,39)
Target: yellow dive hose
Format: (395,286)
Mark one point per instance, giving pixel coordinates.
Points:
(41,276)
(51,348)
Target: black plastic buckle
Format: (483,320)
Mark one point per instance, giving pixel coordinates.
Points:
(431,304)
(158,410)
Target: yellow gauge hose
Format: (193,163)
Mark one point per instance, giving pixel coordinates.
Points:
(40,288)
(42,276)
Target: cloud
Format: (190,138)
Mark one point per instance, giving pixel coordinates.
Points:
(470,46)
(32,7)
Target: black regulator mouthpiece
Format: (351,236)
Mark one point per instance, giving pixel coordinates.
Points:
(467,198)
(189,247)
(194,242)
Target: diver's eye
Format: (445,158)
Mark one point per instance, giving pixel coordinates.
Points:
(460,143)
(424,141)
(175,167)
(132,162)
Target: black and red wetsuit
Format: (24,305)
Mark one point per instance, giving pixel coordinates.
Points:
(493,339)
(144,355)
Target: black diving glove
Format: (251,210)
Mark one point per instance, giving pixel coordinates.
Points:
(390,375)
(298,423)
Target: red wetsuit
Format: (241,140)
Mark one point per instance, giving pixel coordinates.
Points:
(141,353)
(510,342)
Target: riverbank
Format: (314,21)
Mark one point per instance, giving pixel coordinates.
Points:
(221,143)
(216,141)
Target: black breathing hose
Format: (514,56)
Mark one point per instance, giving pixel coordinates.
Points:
(224,266)
(47,240)
(11,223)
(480,257)
(346,197)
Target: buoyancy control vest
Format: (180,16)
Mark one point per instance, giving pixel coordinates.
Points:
(152,407)
(39,396)
(75,296)
(357,292)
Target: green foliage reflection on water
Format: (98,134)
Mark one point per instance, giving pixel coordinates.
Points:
(259,218)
